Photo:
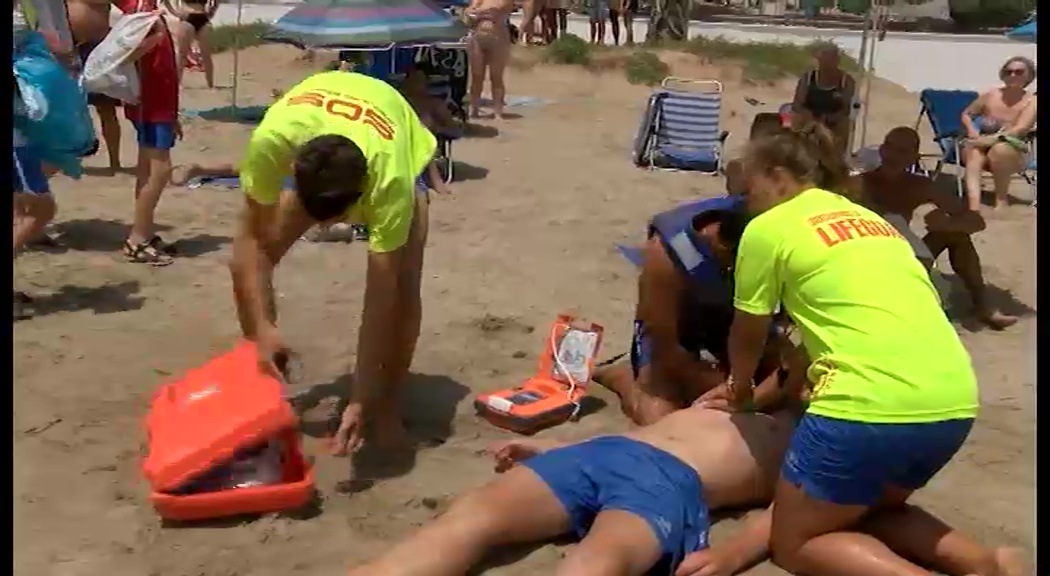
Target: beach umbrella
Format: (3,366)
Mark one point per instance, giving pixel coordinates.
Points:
(1024,33)
(365,23)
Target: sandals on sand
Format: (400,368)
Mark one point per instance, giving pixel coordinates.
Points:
(154,252)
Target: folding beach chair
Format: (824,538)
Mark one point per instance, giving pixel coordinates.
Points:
(943,110)
(680,129)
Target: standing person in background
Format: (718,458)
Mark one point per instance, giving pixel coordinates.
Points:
(88,20)
(826,95)
(33,205)
(531,11)
(622,10)
(489,50)
(106,109)
(561,13)
(598,12)
(156,121)
(193,29)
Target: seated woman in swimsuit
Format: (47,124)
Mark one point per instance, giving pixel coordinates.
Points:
(997,126)
(825,95)
(489,50)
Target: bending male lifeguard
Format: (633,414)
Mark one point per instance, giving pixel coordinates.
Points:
(354,147)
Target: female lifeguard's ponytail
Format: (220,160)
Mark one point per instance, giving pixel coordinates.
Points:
(833,172)
(807,152)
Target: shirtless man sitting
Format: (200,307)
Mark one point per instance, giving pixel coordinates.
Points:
(643,499)
(997,126)
(891,189)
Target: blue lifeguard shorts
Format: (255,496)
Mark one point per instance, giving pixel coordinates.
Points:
(853,463)
(617,473)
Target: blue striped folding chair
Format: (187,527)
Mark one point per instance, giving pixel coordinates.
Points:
(681,127)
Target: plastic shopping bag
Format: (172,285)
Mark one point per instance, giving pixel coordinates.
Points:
(50,109)
(107,70)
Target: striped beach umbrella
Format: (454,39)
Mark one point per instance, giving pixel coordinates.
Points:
(365,23)
(1024,33)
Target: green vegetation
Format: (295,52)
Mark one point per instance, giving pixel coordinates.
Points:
(569,49)
(762,61)
(227,37)
(644,67)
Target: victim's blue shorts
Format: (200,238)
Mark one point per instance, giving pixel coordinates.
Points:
(158,135)
(617,473)
(853,463)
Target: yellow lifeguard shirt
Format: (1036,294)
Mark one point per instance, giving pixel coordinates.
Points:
(371,113)
(883,350)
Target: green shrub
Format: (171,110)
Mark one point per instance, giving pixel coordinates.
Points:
(762,61)
(228,37)
(644,67)
(569,49)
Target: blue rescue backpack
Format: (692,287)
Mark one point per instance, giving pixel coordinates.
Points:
(51,110)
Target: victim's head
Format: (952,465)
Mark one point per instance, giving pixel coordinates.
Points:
(330,173)
(722,230)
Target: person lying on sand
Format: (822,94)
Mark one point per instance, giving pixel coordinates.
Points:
(643,500)
(891,189)
(678,349)
(638,500)
(354,148)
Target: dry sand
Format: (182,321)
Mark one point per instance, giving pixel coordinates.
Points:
(529,233)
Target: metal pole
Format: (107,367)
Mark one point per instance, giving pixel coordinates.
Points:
(879,24)
(236,60)
(862,58)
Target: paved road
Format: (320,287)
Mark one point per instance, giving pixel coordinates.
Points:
(913,60)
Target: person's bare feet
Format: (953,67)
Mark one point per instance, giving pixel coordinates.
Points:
(996,320)
(1010,562)
(181,175)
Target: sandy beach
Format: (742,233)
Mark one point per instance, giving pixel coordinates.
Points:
(528,233)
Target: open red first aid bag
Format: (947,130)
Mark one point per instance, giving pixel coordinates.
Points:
(223,441)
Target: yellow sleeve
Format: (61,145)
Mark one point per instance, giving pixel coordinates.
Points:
(757,273)
(390,218)
(422,143)
(266,165)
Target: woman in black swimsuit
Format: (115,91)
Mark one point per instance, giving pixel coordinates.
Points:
(826,95)
(195,17)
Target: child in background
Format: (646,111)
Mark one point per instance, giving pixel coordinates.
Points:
(156,121)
